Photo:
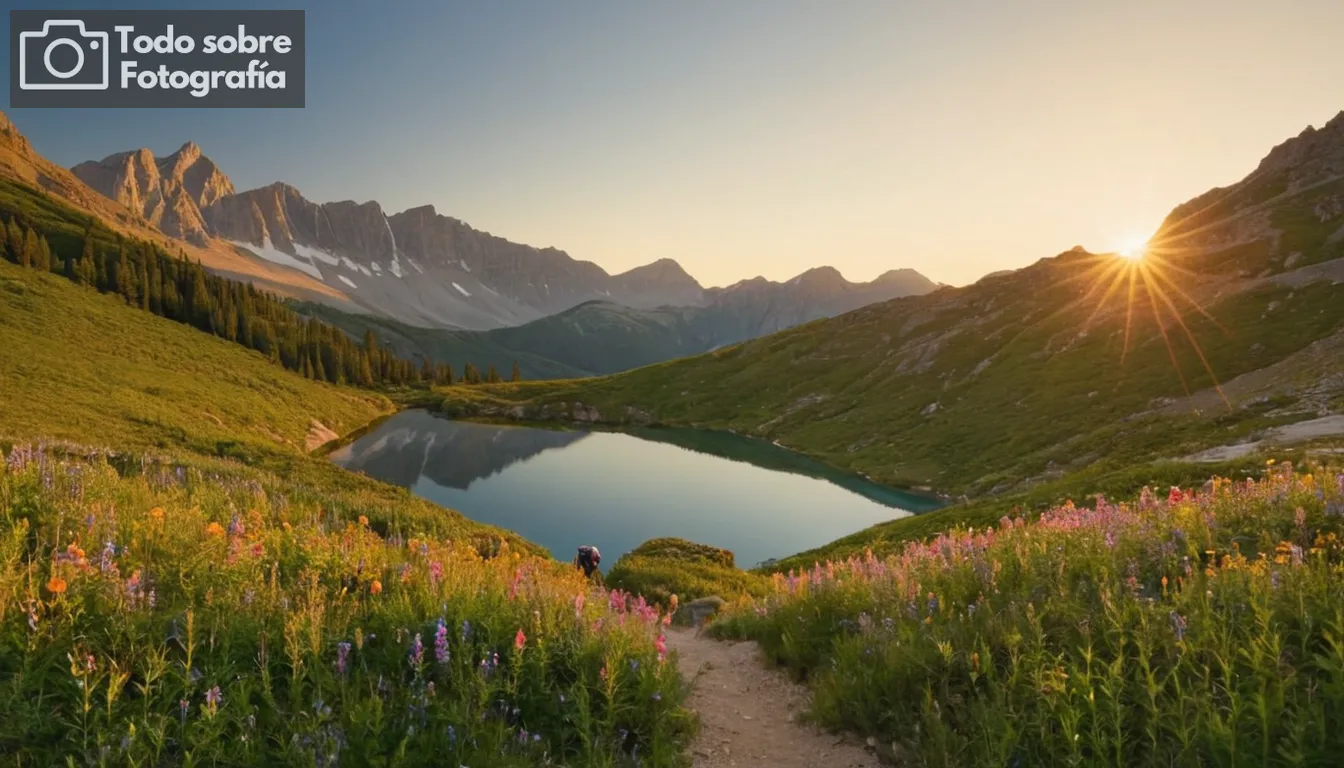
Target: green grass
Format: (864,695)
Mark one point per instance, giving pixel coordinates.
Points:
(661,568)
(1200,629)
(79,366)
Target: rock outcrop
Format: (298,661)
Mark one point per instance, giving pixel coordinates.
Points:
(168,193)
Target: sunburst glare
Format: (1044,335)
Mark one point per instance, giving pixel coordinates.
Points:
(1140,278)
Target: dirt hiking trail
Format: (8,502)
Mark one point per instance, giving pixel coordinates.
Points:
(749,715)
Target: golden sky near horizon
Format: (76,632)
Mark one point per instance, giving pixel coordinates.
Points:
(763,137)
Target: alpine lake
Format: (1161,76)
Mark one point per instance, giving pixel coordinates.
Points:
(562,488)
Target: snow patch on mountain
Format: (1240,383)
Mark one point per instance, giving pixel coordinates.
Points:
(274,255)
(414,264)
(347,281)
(464,265)
(365,270)
(377,269)
(461,290)
(315,254)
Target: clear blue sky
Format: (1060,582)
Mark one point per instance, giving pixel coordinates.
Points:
(767,136)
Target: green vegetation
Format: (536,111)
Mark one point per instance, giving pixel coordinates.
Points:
(206,592)
(48,236)
(1200,629)
(409,341)
(160,613)
(976,390)
(661,568)
(891,537)
(78,366)
(593,338)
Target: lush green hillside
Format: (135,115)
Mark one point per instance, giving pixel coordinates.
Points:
(83,367)
(591,339)
(975,389)
(480,348)
(77,364)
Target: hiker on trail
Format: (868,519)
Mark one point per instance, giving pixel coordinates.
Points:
(588,559)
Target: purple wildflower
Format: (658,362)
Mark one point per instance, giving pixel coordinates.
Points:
(1178,625)
(417,653)
(342,657)
(441,653)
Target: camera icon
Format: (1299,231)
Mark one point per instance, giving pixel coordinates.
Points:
(64,56)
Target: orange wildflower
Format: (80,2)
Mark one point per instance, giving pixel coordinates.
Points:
(364,521)
(214,529)
(56,585)
(156,514)
(375,587)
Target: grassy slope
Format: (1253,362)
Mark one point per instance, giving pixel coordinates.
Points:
(79,366)
(441,345)
(591,339)
(1019,391)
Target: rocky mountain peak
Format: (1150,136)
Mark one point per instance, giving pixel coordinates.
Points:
(167,192)
(1312,154)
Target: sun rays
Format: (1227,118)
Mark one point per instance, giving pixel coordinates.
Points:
(1143,275)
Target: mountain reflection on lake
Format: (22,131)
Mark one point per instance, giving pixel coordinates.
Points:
(615,490)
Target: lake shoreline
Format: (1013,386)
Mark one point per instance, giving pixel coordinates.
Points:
(581,416)
(622,484)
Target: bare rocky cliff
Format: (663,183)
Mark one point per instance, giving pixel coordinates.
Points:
(169,193)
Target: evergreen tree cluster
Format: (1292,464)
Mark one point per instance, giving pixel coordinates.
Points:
(146,277)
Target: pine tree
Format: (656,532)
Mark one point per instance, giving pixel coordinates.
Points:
(125,283)
(365,370)
(517,372)
(15,237)
(144,288)
(43,254)
(492,375)
(470,375)
(28,256)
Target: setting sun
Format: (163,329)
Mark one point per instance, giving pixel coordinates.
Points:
(1135,248)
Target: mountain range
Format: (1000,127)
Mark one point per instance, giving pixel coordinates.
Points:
(426,269)
(1224,340)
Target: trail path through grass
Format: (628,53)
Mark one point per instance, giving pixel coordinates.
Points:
(749,715)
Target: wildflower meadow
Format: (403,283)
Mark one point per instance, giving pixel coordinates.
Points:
(157,613)
(1202,627)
